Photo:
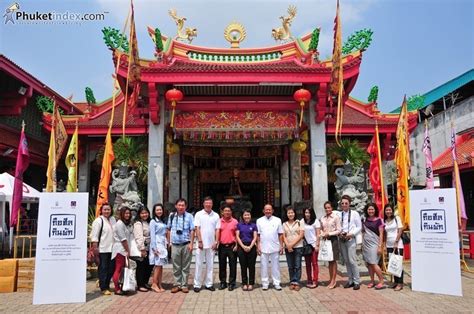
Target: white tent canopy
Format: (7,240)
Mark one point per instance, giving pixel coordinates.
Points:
(7,182)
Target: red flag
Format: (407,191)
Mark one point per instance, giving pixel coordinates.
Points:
(374,174)
(22,162)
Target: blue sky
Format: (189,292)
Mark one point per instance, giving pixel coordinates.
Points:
(417,45)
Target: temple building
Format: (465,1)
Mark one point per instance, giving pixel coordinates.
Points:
(216,117)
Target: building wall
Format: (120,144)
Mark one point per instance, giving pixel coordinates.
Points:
(439,128)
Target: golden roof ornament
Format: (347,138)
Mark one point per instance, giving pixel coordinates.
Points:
(283,33)
(235,33)
(188,33)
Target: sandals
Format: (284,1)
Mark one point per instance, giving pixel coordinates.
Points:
(380,286)
(370,285)
(245,288)
(398,288)
(249,288)
(143,289)
(332,286)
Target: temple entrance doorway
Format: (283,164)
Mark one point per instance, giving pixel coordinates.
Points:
(249,175)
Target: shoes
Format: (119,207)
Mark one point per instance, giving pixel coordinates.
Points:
(231,287)
(147,286)
(348,285)
(380,286)
(393,285)
(175,289)
(357,287)
(185,289)
(250,288)
(196,289)
(398,288)
(292,286)
(245,287)
(143,289)
(277,287)
(222,286)
(370,285)
(119,292)
(297,287)
(106,292)
(211,288)
(264,288)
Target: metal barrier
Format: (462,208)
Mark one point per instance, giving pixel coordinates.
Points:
(21,241)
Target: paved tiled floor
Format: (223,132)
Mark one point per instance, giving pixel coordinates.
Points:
(306,300)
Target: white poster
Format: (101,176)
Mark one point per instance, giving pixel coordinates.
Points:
(435,263)
(61,248)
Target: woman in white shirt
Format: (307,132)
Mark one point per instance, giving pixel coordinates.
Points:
(121,249)
(312,229)
(394,243)
(102,238)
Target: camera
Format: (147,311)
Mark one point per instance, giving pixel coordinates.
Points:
(342,236)
(179,232)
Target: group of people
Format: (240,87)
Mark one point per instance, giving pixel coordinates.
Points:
(157,233)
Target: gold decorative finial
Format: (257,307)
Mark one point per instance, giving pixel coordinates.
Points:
(235,33)
(189,33)
(284,33)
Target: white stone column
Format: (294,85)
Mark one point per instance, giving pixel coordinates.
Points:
(184,179)
(84,171)
(173,177)
(296,187)
(156,160)
(319,168)
(285,183)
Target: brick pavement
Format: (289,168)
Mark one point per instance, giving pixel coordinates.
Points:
(321,300)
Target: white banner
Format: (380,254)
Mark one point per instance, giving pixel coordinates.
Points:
(435,247)
(61,248)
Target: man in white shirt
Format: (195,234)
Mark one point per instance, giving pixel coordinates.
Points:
(207,224)
(351,227)
(270,246)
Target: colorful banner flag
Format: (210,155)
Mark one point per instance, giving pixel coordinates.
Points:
(428,159)
(402,162)
(461,206)
(133,77)
(103,192)
(336,87)
(71,162)
(376,173)
(51,182)
(60,134)
(22,162)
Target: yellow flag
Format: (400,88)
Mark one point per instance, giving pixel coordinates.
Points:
(103,192)
(402,161)
(51,172)
(71,163)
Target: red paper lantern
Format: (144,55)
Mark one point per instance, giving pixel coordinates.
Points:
(173,95)
(302,95)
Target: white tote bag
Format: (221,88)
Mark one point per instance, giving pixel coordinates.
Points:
(129,280)
(325,251)
(395,264)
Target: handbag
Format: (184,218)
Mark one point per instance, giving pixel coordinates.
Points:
(325,251)
(134,251)
(307,248)
(395,264)
(405,237)
(129,280)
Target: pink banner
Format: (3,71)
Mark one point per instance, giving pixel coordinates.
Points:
(428,160)
(22,162)
(456,176)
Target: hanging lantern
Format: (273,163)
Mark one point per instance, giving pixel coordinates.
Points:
(298,146)
(172,148)
(304,136)
(302,95)
(173,95)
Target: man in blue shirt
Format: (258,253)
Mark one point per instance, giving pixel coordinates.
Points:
(180,236)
